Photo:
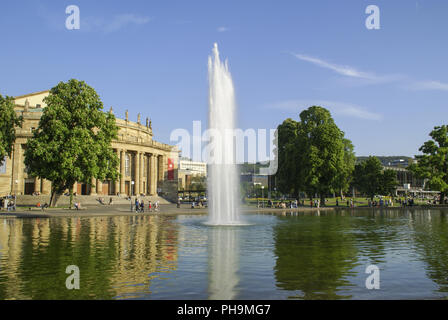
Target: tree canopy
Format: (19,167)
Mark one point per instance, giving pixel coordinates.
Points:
(371,179)
(433,163)
(313,154)
(73,140)
(8,121)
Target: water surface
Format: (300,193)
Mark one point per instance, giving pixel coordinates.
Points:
(292,256)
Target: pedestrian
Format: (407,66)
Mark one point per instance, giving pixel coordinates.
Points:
(150,206)
(142,206)
(137,205)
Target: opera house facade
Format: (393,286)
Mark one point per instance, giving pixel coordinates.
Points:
(146,167)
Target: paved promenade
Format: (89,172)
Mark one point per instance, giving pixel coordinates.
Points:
(125,210)
(171,209)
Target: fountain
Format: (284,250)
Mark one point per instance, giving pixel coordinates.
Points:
(223,180)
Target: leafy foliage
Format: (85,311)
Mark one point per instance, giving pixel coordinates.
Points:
(313,154)
(8,121)
(370,178)
(73,140)
(433,164)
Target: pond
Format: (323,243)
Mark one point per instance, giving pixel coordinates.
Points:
(315,255)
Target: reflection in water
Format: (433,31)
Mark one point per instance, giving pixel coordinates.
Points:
(292,255)
(113,254)
(223,262)
(431,237)
(314,256)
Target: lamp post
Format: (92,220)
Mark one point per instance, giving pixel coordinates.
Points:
(262,195)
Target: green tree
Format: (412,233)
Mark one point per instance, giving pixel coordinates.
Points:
(367,176)
(346,173)
(321,159)
(370,178)
(73,140)
(8,121)
(288,181)
(389,182)
(313,155)
(433,164)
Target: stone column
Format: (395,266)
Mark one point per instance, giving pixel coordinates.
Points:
(99,186)
(117,182)
(137,173)
(46,187)
(93,190)
(17,174)
(148,174)
(153,176)
(122,171)
(37,184)
(142,172)
(161,167)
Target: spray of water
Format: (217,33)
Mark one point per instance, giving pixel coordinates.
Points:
(223,182)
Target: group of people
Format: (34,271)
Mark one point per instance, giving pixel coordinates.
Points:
(8,203)
(381,203)
(195,204)
(139,205)
(282,204)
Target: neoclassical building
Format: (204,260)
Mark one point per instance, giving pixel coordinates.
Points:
(146,167)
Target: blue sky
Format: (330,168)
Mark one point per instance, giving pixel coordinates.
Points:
(386,88)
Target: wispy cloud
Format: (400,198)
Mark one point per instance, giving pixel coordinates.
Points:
(430,85)
(114,23)
(223,29)
(336,107)
(342,70)
(372,78)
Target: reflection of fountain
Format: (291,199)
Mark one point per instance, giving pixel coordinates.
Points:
(223,178)
(223,263)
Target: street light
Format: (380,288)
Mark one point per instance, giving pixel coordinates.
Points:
(262,195)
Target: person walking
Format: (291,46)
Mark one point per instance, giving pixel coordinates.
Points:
(150,206)
(142,206)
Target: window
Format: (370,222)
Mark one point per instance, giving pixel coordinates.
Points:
(3,166)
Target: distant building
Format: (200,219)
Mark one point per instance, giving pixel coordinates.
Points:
(189,169)
(255,179)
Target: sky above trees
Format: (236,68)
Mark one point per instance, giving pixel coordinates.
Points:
(386,88)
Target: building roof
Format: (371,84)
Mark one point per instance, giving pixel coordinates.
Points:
(31,94)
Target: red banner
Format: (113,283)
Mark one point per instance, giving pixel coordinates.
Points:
(170,169)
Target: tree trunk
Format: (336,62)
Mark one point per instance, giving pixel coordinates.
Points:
(322,199)
(442,198)
(55,194)
(51,197)
(342,194)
